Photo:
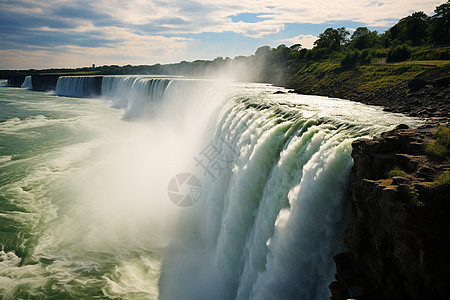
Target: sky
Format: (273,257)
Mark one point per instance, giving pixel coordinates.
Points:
(61,33)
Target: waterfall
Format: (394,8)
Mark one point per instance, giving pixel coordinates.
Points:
(27,83)
(273,213)
(117,89)
(269,201)
(78,86)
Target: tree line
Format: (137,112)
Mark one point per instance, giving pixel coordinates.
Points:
(425,35)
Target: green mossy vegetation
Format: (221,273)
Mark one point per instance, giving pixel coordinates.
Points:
(397,172)
(439,149)
(442,181)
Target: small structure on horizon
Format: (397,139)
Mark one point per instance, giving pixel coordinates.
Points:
(93,66)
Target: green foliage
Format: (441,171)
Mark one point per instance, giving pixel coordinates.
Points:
(442,181)
(399,53)
(355,57)
(281,53)
(412,28)
(436,151)
(332,39)
(432,54)
(296,47)
(368,59)
(414,195)
(365,57)
(380,53)
(264,50)
(363,38)
(443,136)
(350,59)
(397,172)
(439,149)
(438,30)
(319,53)
(300,54)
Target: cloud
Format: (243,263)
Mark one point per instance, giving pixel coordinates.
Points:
(158,30)
(306,40)
(131,49)
(367,12)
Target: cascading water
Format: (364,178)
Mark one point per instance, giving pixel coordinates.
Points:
(78,86)
(96,218)
(274,210)
(27,83)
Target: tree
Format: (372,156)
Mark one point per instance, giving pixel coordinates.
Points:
(264,50)
(412,28)
(281,53)
(363,38)
(350,59)
(439,25)
(296,47)
(332,39)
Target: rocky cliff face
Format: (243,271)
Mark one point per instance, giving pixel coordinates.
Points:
(399,242)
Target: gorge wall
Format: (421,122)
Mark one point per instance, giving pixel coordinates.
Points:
(399,243)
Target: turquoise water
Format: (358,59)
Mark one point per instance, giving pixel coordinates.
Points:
(56,236)
(84,208)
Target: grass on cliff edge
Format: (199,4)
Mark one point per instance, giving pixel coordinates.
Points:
(439,149)
(395,172)
(432,63)
(328,74)
(378,77)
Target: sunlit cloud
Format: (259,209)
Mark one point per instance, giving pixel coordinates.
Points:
(306,40)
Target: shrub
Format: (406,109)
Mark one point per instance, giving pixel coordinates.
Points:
(432,54)
(364,54)
(439,149)
(366,60)
(442,181)
(436,151)
(380,53)
(397,172)
(350,59)
(399,53)
(320,53)
(443,136)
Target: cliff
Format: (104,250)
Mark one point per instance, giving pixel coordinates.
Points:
(14,80)
(44,82)
(399,243)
